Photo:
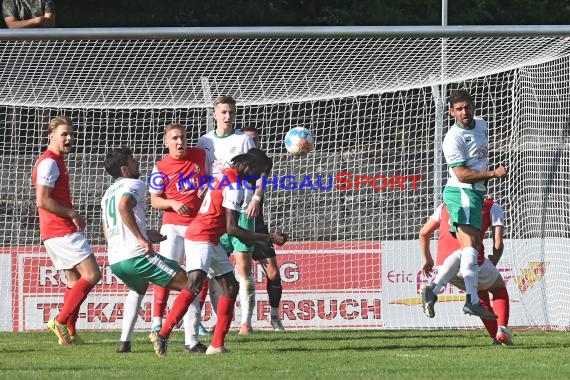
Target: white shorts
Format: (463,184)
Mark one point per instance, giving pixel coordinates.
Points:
(488,274)
(67,251)
(173,247)
(211,258)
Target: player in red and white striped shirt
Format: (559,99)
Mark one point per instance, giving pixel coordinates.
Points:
(60,229)
(219,214)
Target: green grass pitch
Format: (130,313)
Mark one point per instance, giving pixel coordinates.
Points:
(331,354)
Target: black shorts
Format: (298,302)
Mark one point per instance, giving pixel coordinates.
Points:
(262,249)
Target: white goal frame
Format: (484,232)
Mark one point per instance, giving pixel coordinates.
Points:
(373,112)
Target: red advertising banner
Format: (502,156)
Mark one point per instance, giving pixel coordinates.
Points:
(324,285)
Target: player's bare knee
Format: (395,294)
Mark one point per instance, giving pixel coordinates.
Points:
(195,281)
(273,275)
(498,284)
(93,276)
(231,290)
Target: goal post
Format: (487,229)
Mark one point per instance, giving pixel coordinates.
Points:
(353,208)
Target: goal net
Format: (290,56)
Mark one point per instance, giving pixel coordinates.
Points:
(376,105)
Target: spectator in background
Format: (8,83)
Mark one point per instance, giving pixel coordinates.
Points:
(29,13)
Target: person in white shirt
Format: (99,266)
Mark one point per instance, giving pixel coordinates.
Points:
(222,144)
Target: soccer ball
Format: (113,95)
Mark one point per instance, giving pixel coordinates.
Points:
(299,141)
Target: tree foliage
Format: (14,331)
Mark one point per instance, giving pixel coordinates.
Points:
(128,13)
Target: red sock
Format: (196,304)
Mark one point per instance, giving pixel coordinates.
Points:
(203,293)
(490,324)
(225,315)
(71,322)
(179,308)
(501,306)
(73,317)
(76,296)
(161,296)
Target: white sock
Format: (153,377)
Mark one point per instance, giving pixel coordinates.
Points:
(215,291)
(130,314)
(470,272)
(156,323)
(247,299)
(447,271)
(191,323)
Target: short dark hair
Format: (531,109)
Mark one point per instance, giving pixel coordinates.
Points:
(115,159)
(261,156)
(247,160)
(249,128)
(457,96)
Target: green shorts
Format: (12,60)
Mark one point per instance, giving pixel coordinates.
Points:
(137,272)
(465,206)
(232,243)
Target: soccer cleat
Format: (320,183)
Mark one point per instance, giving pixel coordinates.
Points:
(245,329)
(202,330)
(60,330)
(198,348)
(216,350)
(478,310)
(76,339)
(276,324)
(160,345)
(153,333)
(428,300)
(504,336)
(123,347)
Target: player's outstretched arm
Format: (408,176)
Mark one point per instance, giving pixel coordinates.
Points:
(425,235)
(249,237)
(466,175)
(498,244)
